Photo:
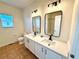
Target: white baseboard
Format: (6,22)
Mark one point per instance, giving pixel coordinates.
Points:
(7,43)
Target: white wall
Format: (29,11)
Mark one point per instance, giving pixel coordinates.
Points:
(66,6)
(9,35)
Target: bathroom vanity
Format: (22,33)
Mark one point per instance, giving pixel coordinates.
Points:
(44,49)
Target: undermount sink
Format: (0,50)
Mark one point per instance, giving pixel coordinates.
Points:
(48,42)
(31,35)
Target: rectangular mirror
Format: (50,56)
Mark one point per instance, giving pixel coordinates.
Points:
(36,24)
(53,23)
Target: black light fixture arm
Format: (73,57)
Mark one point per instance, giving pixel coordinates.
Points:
(54,3)
(59,1)
(35,11)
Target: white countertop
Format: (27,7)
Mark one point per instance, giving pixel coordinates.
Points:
(59,47)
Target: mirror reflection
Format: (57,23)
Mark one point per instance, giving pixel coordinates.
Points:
(53,23)
(36,24)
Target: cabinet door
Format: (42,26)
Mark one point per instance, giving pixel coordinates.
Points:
(32,46)
(51,55)
(39,51)
(26,42)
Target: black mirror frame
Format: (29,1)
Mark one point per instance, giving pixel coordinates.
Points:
(60,24)
(40,23)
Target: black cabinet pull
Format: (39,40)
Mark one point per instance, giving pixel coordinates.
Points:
(42,49)
(72,56)
(46,52)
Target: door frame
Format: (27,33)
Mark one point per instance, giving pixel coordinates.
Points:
(74,38)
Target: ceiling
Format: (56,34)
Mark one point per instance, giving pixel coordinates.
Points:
(18,3)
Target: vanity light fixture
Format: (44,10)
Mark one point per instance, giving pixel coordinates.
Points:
(54,3)
(59,1)
(35,11)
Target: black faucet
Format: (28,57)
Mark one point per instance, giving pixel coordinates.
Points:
(35,33)
(50,37)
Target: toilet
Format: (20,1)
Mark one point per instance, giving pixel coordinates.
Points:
(20,40)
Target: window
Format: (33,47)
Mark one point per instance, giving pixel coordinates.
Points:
(6,20)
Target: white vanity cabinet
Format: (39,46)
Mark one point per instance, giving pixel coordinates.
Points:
(41,51)
(26,42)
(29,44)
(51,55)
(44,53)
(32,46)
